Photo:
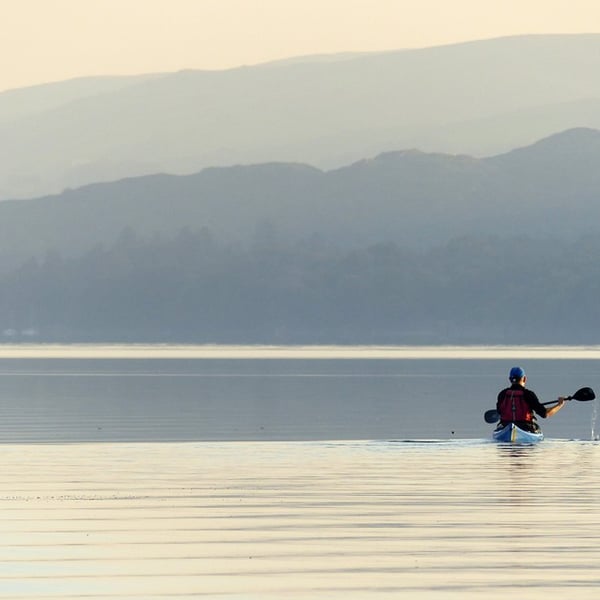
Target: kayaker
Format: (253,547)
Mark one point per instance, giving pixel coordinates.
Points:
(517,404)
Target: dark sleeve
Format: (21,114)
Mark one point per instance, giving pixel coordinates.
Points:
(534,403)
(500,396)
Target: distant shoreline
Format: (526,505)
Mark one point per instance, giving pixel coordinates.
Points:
(307,352)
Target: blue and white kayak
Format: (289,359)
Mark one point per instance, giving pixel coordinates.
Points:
(512,433)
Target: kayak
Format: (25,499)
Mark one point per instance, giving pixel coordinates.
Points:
(512,433)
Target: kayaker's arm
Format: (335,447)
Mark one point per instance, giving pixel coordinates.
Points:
(554,409)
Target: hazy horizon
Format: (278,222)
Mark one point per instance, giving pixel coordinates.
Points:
(68,39)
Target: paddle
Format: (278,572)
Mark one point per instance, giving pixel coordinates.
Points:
(582,395)
(491,416)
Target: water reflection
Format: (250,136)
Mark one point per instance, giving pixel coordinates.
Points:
(424,520)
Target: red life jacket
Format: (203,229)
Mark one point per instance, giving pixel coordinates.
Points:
(513,407)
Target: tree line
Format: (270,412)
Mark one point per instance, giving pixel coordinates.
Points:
(193,288)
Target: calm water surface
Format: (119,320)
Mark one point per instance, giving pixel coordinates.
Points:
(295,478)
(63,400)
(258,520)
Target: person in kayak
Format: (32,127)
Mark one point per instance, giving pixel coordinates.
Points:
(517,404)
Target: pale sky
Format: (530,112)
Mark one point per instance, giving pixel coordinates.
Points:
(52,40)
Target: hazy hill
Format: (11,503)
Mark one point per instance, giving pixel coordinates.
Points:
(411,198)
(407,247)
(18,103)
(478,98)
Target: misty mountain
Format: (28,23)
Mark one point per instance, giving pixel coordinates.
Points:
(411,198)
(407,247)
(193,288)
(478,98)
(19,103)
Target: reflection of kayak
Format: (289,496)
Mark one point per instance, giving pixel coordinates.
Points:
(512,433)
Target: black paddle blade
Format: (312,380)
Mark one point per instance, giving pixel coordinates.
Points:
(491,416)
(583,395)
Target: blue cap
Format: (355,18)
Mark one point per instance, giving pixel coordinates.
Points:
(516,373)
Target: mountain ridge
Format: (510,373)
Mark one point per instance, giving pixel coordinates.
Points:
(408,197)
(479,98)
(403,248)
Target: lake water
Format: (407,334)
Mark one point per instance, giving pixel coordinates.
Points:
(84,394)
(154,473)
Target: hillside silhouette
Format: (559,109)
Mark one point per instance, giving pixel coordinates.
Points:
(408,197)
(479,98)
(407,247)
